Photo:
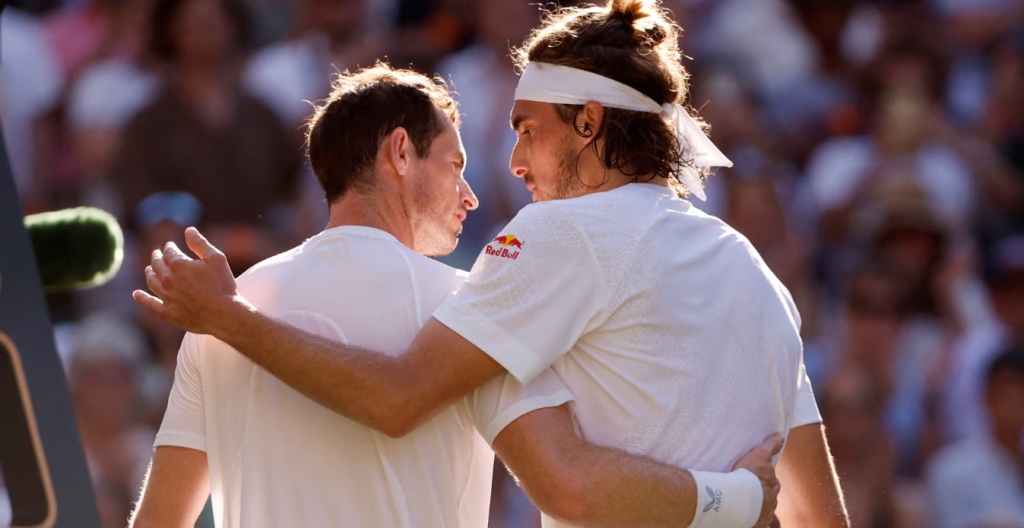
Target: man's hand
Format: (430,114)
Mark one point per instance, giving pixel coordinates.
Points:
(759,462)
(191,294)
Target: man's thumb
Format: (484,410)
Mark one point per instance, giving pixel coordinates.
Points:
(201,246)
(774,443)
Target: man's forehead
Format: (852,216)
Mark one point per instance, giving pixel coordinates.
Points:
(523,110)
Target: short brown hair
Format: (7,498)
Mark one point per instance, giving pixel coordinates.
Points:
(633,42)
(346,130)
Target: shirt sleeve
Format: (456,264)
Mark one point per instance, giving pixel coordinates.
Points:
(533,292)
(503,399)
(805,411)
(184,422)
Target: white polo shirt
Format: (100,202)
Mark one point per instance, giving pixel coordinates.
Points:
(675,338)
(278,459)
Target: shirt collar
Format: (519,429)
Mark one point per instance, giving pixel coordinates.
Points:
(352,230)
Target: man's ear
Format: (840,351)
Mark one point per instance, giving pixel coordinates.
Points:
(399,151)
(588,120)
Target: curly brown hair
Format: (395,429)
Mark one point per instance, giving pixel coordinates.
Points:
(633,42)
(347,129)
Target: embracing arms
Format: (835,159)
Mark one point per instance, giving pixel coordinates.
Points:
(396,393)
(392,394)
(581,483)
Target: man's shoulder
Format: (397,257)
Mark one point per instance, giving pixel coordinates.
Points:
(269,266)
(434,280)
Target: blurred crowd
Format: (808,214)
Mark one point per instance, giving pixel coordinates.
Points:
(879,171)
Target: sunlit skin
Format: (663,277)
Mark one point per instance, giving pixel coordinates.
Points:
(545,155)
(437,197)
(421,201)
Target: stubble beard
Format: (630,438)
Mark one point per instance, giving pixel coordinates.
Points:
(431,234)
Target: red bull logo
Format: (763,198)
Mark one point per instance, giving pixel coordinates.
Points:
(506,241)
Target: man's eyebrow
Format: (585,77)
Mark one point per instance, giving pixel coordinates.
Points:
(461,159)
(516,121)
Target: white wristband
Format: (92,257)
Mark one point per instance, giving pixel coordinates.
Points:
(727,500)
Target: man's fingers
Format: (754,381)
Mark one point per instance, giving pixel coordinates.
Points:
(158,265)
(200,245)
(210,255)
(774,443)
(172,253)
(155,284)
(149,302)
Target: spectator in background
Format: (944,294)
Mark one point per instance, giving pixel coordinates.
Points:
(915,241)
(996,322)
(979,482)
(30,84)
(288,75)
(104,97)
(851,405)
(755,210)
(103,374)
(203,135)
(485,83)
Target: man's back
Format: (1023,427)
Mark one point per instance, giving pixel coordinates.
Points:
(277,458)
(703,339)
(676,340)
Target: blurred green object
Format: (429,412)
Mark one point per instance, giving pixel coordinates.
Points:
(76,248)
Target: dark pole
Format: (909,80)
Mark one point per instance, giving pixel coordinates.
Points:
(41,454)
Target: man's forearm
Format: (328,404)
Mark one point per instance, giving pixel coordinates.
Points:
(581,483)
(176,487)
(620,489)
(811,495)
(392,394)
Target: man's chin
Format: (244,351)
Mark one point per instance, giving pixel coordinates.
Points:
(438,251)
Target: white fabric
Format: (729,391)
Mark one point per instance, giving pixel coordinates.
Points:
(549,83)
(278,459)
(976,483)
(727,500)
(107,95)
(675,338)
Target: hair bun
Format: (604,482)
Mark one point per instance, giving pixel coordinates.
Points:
(629,11)
(644,16)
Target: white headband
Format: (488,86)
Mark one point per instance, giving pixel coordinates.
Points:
(548,83)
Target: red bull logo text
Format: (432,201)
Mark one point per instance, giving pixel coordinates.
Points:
(507,242)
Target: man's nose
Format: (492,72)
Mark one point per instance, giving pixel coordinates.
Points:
(517,164)
(467,196)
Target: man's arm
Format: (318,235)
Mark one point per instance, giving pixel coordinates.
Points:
(811,495)
(175,490)
(585,484)
(392,394)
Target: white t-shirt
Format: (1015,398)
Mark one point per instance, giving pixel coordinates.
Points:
(976,483)
(674,337)
(278,459)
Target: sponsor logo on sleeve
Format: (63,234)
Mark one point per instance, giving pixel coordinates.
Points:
(504,248)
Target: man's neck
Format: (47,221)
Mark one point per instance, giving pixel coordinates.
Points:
(600,179)
(608,180)
(359,209)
